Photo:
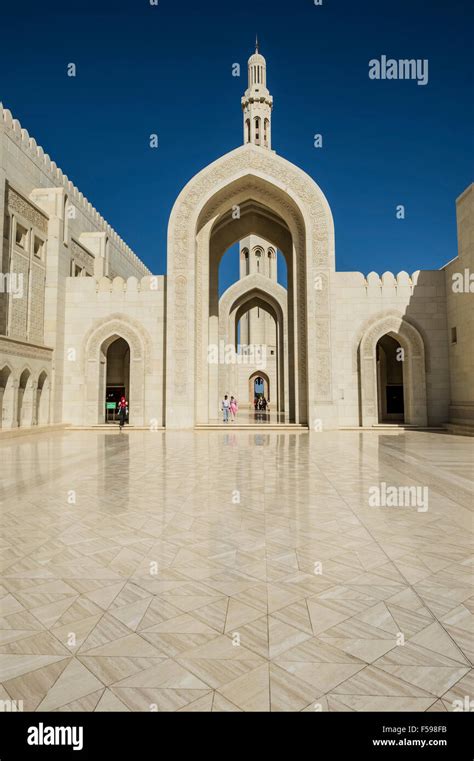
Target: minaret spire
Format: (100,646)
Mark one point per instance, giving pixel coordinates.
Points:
(257,103)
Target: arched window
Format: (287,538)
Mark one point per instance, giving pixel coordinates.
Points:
(257,130)
(271,254)
(245,257)
(266,125)
(247,130)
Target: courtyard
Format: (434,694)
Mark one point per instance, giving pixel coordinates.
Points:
(235,571)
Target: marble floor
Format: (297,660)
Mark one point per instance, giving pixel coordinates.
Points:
(235,571)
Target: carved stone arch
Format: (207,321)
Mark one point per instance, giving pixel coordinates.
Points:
(414,375)
(25,386)
(7,395)
(21,370)
(121,325)
(267,390)
(95,346)
(377,319)
(252,282)
(41,412)
(245,173)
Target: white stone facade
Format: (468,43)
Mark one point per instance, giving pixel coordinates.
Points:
(71,288)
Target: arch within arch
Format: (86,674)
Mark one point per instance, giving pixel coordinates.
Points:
(96,345)
(247,173)
(414,376)
(258,290)
(266,385)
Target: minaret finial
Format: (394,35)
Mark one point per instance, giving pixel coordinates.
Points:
(256,43)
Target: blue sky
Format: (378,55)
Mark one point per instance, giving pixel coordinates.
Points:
(168,70)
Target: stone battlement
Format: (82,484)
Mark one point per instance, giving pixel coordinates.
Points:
(117,284)
(389,279)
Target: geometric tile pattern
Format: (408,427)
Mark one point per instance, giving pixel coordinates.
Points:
(239,571)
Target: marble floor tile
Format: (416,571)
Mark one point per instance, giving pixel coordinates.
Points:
(158,590)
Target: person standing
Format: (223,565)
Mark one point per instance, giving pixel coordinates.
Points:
(225,406)
(122,411)
(233,407)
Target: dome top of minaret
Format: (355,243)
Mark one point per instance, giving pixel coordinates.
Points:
(257,57)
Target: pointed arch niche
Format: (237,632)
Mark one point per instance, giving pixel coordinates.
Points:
(413,375)
(96,347)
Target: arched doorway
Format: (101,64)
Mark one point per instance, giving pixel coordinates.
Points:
(390,356)
(259,386)
(391,336)
(116,353)
(41,416)
(23,407)
(6,397)
(247,192)
(132,369)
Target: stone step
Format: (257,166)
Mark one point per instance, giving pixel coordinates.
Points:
(460,429)
(8,433)
(391,427)
(281,427)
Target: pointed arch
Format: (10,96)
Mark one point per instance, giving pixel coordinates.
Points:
(96,343)
(414,375)
(212,207)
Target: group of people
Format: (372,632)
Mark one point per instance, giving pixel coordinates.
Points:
(229,408)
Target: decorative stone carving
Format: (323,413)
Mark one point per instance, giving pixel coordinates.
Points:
(124,327)
(19,205)
(82,256)
(29,351)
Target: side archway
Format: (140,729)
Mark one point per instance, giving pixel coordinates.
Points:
(24,400)
(96,345)
(414,372)
(7,397)
(41,414)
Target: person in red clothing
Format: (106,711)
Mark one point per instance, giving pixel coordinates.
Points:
(122,411)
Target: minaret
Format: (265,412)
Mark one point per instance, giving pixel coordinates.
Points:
(257,103)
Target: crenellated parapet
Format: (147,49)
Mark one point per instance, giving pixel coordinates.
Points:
(130,285)
(401,283)
(35,152)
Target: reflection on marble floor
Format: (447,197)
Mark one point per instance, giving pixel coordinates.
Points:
(235,571)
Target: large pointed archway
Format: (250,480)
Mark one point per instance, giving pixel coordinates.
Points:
(249,191)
